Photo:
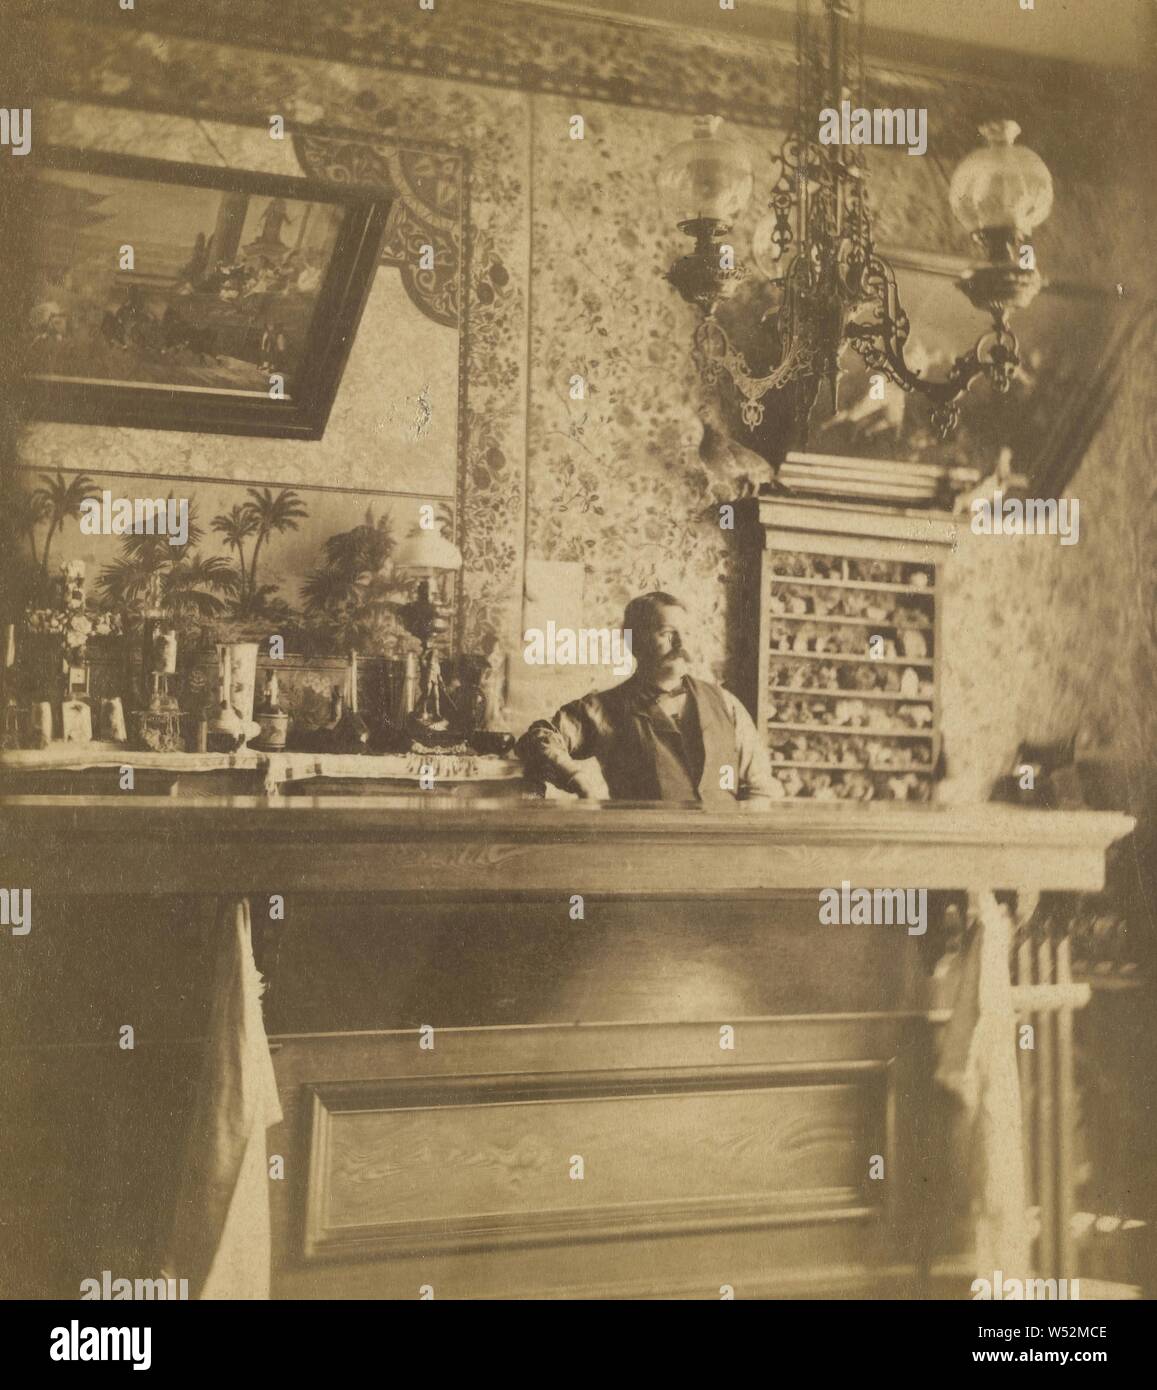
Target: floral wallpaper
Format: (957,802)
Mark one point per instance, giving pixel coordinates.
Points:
(566,246)
(616,479)
(1067,634)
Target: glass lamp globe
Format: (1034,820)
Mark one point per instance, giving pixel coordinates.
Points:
(707,177)
(1001,186)
(427,552)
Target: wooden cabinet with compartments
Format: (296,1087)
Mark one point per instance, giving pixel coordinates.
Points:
(840,644)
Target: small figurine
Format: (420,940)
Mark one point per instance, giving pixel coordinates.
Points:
(10,733)
(492,685)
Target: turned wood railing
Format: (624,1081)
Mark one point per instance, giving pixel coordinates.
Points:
(1045,996)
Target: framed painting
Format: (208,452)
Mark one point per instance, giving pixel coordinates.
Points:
(178,296)
(1067,338)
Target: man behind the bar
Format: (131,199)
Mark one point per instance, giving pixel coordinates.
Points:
(662,735)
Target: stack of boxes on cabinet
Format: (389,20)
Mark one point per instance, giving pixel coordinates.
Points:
(841,647)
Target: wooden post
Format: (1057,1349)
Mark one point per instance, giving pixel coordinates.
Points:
(1026,1071)
(1066,1116)
(1046,1118)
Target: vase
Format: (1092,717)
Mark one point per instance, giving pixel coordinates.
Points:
(242,677)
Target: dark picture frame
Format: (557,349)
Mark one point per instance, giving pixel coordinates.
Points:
(181,339)
(1070,348)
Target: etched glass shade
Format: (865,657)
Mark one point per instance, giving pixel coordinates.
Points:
(1001,185)
(426,552)
(706,177)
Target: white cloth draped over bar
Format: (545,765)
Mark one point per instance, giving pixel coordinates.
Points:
(221,1234)
(978,1064)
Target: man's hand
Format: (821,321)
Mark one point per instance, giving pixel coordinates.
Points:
(590,784)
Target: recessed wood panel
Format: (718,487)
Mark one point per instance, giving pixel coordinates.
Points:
(487,1161)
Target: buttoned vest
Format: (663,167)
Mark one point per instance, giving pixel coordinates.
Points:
(659,761)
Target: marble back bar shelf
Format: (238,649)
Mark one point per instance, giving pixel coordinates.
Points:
(601,1036)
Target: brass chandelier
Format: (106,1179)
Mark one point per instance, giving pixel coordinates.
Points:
(815,244)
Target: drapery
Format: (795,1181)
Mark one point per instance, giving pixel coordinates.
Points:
(221,1230)
(978,1065)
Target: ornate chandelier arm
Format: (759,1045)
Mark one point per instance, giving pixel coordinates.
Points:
(880,356)
(880,342)
(719,359)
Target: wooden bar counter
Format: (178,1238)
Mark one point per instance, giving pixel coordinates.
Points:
(653,1071)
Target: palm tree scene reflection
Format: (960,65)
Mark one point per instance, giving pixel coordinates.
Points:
(313,565)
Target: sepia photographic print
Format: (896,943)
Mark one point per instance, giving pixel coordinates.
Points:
(577,589)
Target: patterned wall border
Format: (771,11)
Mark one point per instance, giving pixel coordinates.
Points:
(429,192)
(489,42)
(628,61)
